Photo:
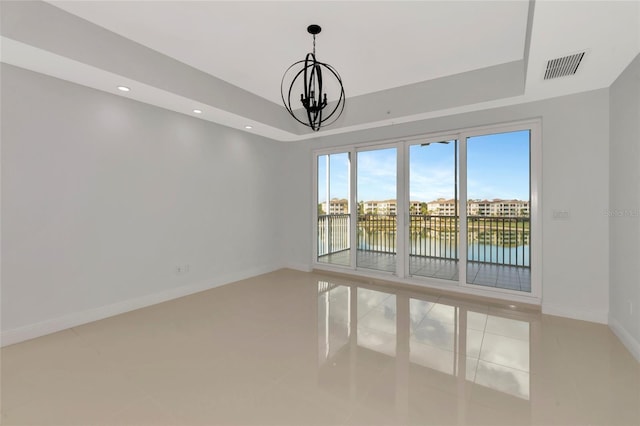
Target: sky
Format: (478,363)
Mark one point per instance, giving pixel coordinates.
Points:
(497,167)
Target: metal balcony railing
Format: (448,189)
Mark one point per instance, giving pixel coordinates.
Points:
(377,233)
(333,233)
(492,240)
(434,236)
(499,240)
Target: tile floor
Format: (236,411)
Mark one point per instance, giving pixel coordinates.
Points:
(500,276)
(295,348)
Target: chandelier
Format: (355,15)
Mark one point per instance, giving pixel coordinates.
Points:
(306,77)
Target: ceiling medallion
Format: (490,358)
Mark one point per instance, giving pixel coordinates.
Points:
(306,77)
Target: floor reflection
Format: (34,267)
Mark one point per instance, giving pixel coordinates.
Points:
(396,347)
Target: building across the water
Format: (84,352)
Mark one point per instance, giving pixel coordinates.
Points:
(439,207)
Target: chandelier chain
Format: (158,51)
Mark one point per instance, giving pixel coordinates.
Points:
(314,45)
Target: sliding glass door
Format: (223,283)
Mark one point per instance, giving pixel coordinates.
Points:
(434,219)
(458,209)
(377,209)
(333,207)
(498,210)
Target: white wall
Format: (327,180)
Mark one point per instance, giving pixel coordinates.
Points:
(575,171)
(295,201)
(102,197)
(624,222)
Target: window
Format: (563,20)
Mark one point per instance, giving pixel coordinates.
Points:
(457,209)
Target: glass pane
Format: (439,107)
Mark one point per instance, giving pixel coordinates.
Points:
(333,209)
(377,209)
(498,225)
(433,210)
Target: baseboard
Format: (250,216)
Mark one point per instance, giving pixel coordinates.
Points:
(75,319)
(298,267)
(625,337)
(601,317)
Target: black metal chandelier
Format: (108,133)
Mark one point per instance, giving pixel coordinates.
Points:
(313,93)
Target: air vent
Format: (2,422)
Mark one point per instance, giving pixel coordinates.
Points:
(560,67)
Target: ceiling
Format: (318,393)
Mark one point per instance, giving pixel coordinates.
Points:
(400,61)
(250,44)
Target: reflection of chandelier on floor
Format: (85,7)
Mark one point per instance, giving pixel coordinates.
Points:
(314,97)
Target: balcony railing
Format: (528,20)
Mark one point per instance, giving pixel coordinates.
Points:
(333,233)
(434,236)
(492,240)
(377,233)
(498,240)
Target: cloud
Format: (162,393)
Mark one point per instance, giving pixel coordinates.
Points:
(431,184)
(376,175)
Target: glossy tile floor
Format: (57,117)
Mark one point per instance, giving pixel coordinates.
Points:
(295,348)
(486,275)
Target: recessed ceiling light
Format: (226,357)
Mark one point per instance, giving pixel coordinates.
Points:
(123,88)
(248,127)
(197,111)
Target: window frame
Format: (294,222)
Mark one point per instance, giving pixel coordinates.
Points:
(402,267)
